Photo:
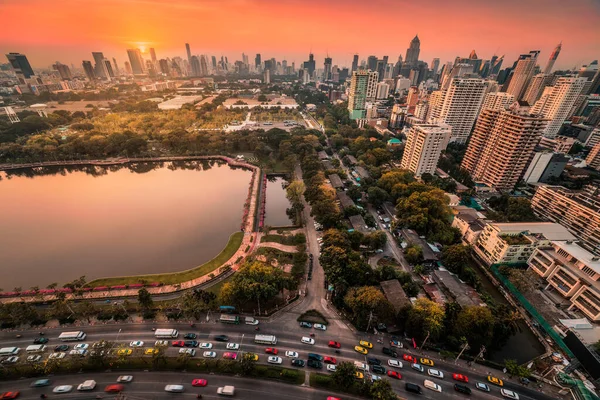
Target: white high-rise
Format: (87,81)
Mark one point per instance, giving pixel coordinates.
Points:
(497,101)
(424,145)
(383,90)
(536,88)
(522,74)
(557,101)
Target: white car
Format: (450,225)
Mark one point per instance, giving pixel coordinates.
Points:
(232,346)
(62,389)
(375,378)
(125,378)
(137,343)
(307,340)
(34,358)
(274,360)
(10,360)
(81,346)
(320,327)
(436,373)
(56,356)
(81,352)
(209,354)
(509,394)
(331,367)
(394,363)
(205,345)
(86,386)
(191,352)
(291,354)
(174,388)
(160,343)
(432,386)
(417,367)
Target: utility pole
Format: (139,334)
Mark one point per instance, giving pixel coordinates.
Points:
(370,318)
(465,347)
(480,354)
(424,341)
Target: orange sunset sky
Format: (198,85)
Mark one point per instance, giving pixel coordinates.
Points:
(69,30)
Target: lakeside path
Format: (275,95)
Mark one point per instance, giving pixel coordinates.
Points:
(246,247)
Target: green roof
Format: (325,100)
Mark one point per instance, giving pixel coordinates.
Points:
(394,141)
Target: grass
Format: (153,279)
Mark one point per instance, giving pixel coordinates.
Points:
(216,288)
(288,240)
(235,240)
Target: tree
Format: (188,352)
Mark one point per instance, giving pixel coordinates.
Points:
(343,376)
(382,390)
(367,299)
(248,364)
(86,309)
(294,192)
(515,369)
(389,179)
(377,196)
(145,299)
(413,254)
(425,317)
(376,240)
(476,324)
(261,98)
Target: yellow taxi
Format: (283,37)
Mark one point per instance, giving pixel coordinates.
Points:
(251,356)
(427,361)
(359,375)
(360,350)
(124,352)
(151,351)
(495,381)
(366,344)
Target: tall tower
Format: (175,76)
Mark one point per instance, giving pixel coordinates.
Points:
(435,65)
(195,64)
(89,70)
(522,74)
(20,66)
(152,55)
(257,61)
(63,70)
(363,88)
(188,51)
(536,88)
(412,53)
(424,144)
(552,59)
(136,61)
(327,68)
(100,66)
(354,63)
(116,67)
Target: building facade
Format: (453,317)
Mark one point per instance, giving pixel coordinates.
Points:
(424,144)
(522,74)
(363,88)
(544,166)
(497,101)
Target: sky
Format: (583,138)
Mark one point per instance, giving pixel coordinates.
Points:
(69,30)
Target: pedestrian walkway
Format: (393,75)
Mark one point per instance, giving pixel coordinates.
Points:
(279,246)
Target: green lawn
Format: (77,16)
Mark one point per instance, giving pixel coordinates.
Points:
(235,240)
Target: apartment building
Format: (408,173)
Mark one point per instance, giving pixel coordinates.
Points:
(571,271)
(424,144)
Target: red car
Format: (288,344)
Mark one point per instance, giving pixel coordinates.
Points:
(459,377)
(178,343)
(329,360)
(333,398)
(114,388)
(271,350)
(394,374)
(335,345)
(409,358)
(230,356)
(199,382)
(9,395)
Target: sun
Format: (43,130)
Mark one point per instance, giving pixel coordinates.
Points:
(143,48)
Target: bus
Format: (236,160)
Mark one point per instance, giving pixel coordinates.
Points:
(166,333)
(72,336)
(227,309)
(265,339)
(229,319)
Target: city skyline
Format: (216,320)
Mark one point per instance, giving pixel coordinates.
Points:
(117,25)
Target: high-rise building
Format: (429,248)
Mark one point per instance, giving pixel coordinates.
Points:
(63,70)
(164,66)
(128,69)
(258,61)
(116,67)
(454,71)
(152,55)
(354,63)
(497,101)
(327,69)
(383,90)
(372,63)
(203,65)
(195,64)
(267,76)
(435,65)
(381,64)
(593,158)
(462,102)
(100,66)
(495,65)
(424,144)
(501,146)
(536,88)
(522,74)
(363,88)
(412,53)
(545,166)
(20,65)
(412,99)
(109,68)
(556,102)
(552,59)
(89,70)
(397,67)
(310,64)
(137,62)
(187,50)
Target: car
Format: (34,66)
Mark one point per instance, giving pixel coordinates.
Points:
(174,388)
(125,378)
(41,383)
(375,378)
(10,395)
(40,340)
(298,363)
(222,338)
(94,353)
(230,355)
(190,336)
(209,354)
(329,360)
(124,352)
(482,386)
(333,398)
(291,354)
(409,358)
(373,361)
(62,347)
(56,356)
(307,340)
(360,350)
(334,344)
(331,367)
(190,352)
(411,387)
(495,381)
(151,351)
(462,388)
(274,360)
(271,350)
(205,345)
(62,389)
(359,375)
(10,360)
(378,369)
(417,367)
(460,377)
(81,346)
(99,345)
(389,352)
(87,386)
(509,394)
(366,344)
(251,356)
(394,374)
(34,358)
(394,363)
(114,388)
(436,373)
(80,353)
(199,382)
(315,364)
(190,343)
(396,343)
(161,343)
(178,343)
(320,327)
(232,346)
(136,343)
(304,324)
(432,386)
(426,361)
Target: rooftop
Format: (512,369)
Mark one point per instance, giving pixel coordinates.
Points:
(394,293)
(336,181)
(345,200)
(549,230)
(412,238)
(462,293)
(580,254)
(359,224)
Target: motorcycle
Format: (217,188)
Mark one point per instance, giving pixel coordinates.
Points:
(257,329)
(337,352)
(312,335)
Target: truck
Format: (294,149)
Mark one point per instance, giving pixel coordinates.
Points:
(265,339)
(229,319)
(166,333)
(72,336)
(226,390)
(251,321)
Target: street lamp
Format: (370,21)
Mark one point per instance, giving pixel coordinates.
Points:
(240,350)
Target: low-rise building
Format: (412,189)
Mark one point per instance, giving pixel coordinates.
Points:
(412,238)
(345,200)
(393,291)
(456,289)
(358,224)
(336,181)
(470,223)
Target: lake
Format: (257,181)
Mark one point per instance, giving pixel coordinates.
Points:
(59,223)
(277,203)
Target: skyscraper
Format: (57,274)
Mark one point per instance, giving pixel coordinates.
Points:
(128,70)
(327,69)
(412,53)
(372,63)
(501,146)
(109,69)
(152,55)
(116,67)
(100,65)
(63,70)
(164,66)
(435,65)
(89,70)
(203,65)
(20,65)
(363,87)
(424,144)
(496,64)
(497,101)
(354,63)
(552,59)
(195,64)
(137,62)
(310,64)
(257,61)
(536,88)
(187,50)
(522,74)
